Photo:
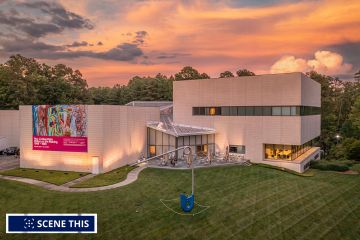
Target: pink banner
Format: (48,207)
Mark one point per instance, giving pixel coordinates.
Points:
(67,144)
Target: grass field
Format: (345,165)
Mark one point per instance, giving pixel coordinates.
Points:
(112,177)
(50,176)
(246,203)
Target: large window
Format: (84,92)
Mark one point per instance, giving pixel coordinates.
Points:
(285,152)
(237,149)
(160,142)
(256,111)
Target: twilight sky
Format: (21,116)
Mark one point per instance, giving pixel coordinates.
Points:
(110,41)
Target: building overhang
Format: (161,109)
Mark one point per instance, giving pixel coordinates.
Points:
(179,130)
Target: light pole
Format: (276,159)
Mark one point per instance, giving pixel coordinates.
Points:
(337,138)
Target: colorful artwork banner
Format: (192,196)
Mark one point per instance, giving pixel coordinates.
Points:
(60,128)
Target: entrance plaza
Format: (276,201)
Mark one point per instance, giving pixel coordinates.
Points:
(271,119)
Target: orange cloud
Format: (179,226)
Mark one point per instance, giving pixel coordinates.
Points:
(325,62)
(215,36)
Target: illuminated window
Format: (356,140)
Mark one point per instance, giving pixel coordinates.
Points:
(212,111)
(152,150)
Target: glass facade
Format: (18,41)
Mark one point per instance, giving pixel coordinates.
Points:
(160,142)
(256,111)
(285,152)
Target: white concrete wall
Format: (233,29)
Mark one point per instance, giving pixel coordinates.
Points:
(9,127)
(116,134)
(251,131)
(125,134)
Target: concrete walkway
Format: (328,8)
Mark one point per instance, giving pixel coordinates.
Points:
(131,177)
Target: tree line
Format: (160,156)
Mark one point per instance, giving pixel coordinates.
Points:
(25,81)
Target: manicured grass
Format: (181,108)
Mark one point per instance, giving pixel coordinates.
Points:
(54,177)
(246,203)
(114,176)
(307,173)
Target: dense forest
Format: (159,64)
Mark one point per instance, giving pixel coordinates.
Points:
(25,81)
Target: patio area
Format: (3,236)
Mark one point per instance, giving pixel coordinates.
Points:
(199,162)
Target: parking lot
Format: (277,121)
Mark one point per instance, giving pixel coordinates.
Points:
(9,162)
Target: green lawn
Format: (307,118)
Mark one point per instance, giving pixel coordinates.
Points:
(356,167)
(54,177)
(114,176)
(246,203)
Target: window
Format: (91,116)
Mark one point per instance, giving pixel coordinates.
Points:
(285,111)
(240,149)
(285,152)
(152,150)
(266,111)
(276,111)
(241,111)
(212,111)
(225,111)
(233,111)
(249,111)
(258,111)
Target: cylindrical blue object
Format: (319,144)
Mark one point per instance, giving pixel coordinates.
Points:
(187,203)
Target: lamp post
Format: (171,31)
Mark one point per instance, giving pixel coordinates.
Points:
(337,138)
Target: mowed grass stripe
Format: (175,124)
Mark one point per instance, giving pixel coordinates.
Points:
(257,212)
(247,203)
(290,227)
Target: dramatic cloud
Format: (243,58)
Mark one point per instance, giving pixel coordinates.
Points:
(38,19)
(209,35)
(140,37)
(325,62)
(60,16)
(122,52)
(78,44)
(27,23)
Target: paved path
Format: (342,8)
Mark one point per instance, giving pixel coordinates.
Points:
(131,177)
(78,180)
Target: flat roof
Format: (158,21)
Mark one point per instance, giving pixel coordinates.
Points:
(150,103)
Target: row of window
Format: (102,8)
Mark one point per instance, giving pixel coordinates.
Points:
(256,111)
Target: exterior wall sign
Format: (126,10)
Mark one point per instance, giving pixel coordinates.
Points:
(60,128)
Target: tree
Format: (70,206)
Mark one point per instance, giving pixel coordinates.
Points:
(188,73)
(25,81)
(226,74)
(351,126)
(244,72)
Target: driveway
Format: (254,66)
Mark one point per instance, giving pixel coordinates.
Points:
(9,162)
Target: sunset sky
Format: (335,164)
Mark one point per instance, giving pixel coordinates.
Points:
(111,41)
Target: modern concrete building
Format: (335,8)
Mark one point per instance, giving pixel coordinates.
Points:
(269,119)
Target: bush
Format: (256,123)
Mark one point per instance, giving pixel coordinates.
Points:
(329,166)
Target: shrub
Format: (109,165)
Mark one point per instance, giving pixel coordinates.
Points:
(329,166)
